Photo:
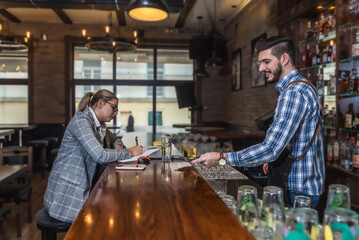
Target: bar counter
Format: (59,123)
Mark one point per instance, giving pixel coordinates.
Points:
(155,204)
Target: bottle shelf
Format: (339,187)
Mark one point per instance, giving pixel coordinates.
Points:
(349,94)
(349,130)
(355,58)
(329,127)
(325,37)
(331,64)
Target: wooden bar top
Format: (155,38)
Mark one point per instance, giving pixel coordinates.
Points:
(156,203)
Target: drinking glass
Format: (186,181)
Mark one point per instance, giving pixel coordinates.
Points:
(166,171)
(301,223)
(301,202)
(231,203)
(341,224)
(338,196)
(272,211)
(166,149)
(247,206)
(262,233)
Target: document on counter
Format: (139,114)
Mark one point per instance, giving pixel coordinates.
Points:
(147,150)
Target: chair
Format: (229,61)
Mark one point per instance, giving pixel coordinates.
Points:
(20,191)
(40,156)
(3,227)
(50,157)
(49,226)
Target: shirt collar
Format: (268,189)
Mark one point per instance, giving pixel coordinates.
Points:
(284,81)
(97,122)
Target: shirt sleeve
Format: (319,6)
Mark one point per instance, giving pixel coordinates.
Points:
(289,113)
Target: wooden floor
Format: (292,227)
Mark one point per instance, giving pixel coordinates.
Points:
(29,230)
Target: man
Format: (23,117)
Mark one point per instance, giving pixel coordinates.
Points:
(130,123)
(296,121)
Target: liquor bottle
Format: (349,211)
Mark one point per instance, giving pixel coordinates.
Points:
(325,55)
(343,80)
(333,86)
(351,81)
(357,121)
(355,158)
(313,56)
(330,151)
(356,84)
(349,117)
(317,51)
(336,149)
(342,149)
(355,46)
(329,54)
(334,52)
(309,30)
(305,56)
(322,25)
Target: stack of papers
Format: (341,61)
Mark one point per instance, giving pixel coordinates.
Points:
(147,150)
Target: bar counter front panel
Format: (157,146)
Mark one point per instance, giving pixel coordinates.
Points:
(157,203)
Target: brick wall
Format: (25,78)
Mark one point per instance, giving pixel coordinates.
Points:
(244,106)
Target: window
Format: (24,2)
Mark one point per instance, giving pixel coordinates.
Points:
(140,82)
(13,87)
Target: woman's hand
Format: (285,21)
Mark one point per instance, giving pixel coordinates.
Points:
(136,150)
(208,159)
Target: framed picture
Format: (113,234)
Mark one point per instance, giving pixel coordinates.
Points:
(258,79)
(236,77)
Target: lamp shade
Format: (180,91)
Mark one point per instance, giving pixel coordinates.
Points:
(200,71)
(148,10)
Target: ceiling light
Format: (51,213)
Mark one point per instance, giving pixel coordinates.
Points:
(148,10)
(200,71)
(9,43)
(109,43)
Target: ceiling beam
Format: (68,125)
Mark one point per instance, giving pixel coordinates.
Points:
(62,15)
(187,8)
(121,17)
(9,16)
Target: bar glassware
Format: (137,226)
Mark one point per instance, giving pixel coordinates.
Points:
(301,223)
(247,206)
(166,149)
(338,196)
(301,202)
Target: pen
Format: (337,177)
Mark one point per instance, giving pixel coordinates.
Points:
(136,139)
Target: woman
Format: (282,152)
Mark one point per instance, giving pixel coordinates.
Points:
(86,144)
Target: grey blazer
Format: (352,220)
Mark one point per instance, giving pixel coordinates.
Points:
(71,176)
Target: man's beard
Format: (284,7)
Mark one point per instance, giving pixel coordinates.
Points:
(276,74)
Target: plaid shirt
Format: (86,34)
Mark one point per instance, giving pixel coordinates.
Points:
(295,120)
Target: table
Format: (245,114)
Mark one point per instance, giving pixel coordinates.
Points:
(155,204)
(20,127)
(9,173)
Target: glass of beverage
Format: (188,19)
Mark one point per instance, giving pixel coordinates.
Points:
(301,202)
(247,206)
(338,196)
(272,211)
(301,223)
(166,149)
(340,224)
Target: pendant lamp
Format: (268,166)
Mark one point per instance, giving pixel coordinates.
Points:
(9,43)
(109,43)
(214,61)
(200,71)
(148,10)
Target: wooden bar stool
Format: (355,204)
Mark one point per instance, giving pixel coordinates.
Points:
(50,226)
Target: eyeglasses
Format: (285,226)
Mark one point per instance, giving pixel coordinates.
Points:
(114,106)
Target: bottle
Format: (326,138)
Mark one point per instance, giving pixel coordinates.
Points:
(304,58)
(334,52)
(355,46)
(313,56)
(342,150)
(336,149)
(351,81)
(329,54)
(333,86)
(355,158)
(325,55)
(317,50)
(349,117)
(357,121)
(309,30)
(356,84)
(343,80)
(330,151)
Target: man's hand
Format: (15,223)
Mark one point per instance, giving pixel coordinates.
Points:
(136,150)
(208,159)
(265,168)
